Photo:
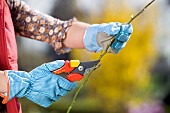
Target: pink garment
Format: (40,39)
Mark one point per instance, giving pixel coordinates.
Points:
(8,53)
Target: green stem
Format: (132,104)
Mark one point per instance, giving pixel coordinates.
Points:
(79,89)
(100,57)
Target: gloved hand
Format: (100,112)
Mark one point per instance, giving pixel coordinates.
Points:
(39,85)
(98,36)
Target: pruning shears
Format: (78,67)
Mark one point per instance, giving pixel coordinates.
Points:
(74,69)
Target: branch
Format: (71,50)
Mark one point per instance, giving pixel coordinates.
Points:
(132,18)
(100,57)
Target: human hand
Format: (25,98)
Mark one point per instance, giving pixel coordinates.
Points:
(98,36)
(39,85)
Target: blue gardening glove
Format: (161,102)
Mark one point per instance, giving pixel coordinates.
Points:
(98,36)
(39,85)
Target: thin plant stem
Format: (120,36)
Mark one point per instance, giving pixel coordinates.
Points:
(79,89)
(100,57)
(132,18)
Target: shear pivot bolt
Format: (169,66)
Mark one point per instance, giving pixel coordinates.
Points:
(80,68)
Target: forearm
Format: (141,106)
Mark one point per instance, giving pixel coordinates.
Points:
(74,38)
(3,82)
(31,23)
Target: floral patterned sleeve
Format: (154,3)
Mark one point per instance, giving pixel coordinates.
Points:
(33,24)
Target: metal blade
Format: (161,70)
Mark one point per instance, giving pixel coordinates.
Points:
(89,64)
(85,65)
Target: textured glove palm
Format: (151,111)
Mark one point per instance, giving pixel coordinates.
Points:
(98,36)
(39,85)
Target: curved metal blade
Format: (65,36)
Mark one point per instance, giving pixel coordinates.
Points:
(85,65)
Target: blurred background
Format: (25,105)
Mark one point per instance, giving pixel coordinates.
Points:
(137,80)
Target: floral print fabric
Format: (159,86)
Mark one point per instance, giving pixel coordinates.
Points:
(33,24)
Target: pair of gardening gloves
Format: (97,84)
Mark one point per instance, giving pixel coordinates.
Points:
(43,87)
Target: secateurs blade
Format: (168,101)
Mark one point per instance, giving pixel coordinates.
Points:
(74,69)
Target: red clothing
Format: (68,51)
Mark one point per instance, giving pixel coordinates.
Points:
(8,49)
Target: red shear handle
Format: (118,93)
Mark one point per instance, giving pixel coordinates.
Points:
(65,69)
(74,77)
